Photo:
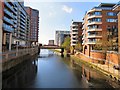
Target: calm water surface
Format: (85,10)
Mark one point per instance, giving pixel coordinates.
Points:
(53,71)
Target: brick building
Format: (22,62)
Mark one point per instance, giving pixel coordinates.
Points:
(34,24)
(100,24)
(76,33)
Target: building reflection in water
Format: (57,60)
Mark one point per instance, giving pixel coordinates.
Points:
(20,75)
(88,77)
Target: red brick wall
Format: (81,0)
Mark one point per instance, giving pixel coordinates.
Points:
(112,57)
(97,55)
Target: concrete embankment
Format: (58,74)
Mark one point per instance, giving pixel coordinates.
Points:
(98,67)
(13,58)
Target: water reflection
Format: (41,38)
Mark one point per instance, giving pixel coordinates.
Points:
(20,75)
(53,71)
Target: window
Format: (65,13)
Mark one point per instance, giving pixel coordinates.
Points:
(97,13)
(111,20)
(95,20)
(111,14)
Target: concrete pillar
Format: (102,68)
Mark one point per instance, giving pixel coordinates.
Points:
(88,48)
(10,41)
(4,38)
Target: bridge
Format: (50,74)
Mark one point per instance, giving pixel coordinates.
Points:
(50,47)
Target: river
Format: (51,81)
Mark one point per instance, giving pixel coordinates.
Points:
(50,70)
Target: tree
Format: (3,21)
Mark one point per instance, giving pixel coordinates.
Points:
(78,46)
(66,43)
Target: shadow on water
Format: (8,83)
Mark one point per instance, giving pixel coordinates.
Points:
(20,75)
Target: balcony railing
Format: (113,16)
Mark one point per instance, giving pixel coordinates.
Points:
(99,9)
(8,20)
(94,22)
(94,16)
(8,28)
(94,36)
(9,6)
(74,32)
(94,29)
(8,13)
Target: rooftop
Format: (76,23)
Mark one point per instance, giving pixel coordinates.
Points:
(107,5)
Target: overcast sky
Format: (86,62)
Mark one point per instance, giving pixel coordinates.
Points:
(55,15)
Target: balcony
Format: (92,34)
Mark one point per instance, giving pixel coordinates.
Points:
(93,10)
(73,40)
(7,28)
(94,36)
(9,6)
(94,29)
(73,25)
(8,20)
(22,23)
(75,33)
(94,16)
(22,27)
(74,36)
(22,19)
(94,22)
(74,29)
(22,16)
(8,13)
(91,42)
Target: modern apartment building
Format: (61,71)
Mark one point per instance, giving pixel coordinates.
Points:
(76,33)
(34,24)
(99,24)
(60,36)
(21,25)
(13,24)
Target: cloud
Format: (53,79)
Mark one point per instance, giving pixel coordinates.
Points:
(67,9)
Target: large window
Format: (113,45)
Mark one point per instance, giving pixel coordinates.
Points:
(111,14)
(111,20)
(95,20)
(97,13)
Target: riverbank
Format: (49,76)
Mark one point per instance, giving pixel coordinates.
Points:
(12,58)
(100,67)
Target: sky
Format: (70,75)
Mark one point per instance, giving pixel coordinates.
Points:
(57,15)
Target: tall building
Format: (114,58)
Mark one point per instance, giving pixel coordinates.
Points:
(99,24)
(34,24)
(13,22)
(60,36)
(76,33)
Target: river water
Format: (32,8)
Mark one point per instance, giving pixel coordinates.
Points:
(50,70)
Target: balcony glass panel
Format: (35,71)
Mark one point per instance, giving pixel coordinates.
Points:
(8,28)
(8,13)
(8,20)
(95,20)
